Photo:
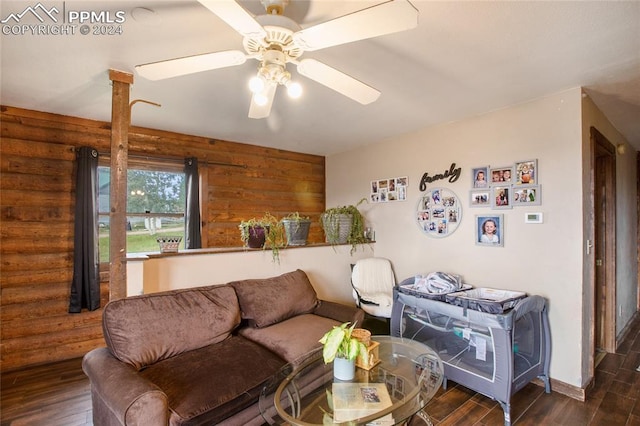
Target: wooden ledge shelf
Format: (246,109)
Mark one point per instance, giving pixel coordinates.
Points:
(133,257)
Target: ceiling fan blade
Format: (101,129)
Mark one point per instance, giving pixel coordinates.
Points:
(385,18)
(262,111)
(191,64)
(338,81)
(236,17)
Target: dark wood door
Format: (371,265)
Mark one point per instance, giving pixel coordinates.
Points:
(604,244)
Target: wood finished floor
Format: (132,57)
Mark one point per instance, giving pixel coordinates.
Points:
(58,395)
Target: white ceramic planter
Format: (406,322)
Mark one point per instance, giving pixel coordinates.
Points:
(344,369)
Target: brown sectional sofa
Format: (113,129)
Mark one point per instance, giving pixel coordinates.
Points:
(201,356)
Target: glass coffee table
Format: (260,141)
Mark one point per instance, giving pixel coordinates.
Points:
(397,388)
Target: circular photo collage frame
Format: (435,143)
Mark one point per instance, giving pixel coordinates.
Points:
(439,212)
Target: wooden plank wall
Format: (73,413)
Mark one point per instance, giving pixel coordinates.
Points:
(37,184)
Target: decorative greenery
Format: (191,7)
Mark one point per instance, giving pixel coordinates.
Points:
(274,233)
(339,343)
(296,228)
(330,221)
(295,217)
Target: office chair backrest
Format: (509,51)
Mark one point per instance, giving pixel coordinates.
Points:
(373,275)
(373,281)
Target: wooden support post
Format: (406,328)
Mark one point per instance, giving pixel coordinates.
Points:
(120,119)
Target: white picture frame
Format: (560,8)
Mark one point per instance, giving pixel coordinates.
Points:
(500,176)
(526,172)
(480,197)
(501,197)
(485,235)
(480,177)
(526,195)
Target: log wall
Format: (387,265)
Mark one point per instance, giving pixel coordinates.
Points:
(37,192)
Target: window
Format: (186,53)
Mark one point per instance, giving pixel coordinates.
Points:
(155,206)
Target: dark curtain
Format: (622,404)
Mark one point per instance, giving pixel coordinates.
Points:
(85,287)
(193,238)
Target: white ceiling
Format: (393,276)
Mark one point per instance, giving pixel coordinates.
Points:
(463,59)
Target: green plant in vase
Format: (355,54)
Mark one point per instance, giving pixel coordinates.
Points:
(339,342)
(344,225)
(266,232)
(342,348)
(296,228)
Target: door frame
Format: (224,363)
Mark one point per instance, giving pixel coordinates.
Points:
(598,142)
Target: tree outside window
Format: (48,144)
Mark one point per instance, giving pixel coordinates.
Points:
(155,207)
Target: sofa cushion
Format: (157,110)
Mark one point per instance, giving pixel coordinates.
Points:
(142,330)
(293,338)
(207,385)
(270,300)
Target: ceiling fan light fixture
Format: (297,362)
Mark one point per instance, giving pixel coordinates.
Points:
(257,84)
(294,89)
(276,40)
(260,99)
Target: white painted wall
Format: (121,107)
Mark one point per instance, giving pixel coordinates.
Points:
(328,268)
(543,259)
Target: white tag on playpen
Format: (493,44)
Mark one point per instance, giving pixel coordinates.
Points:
(466,334)
(481,349)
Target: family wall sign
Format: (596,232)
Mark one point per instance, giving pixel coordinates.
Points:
(453,174)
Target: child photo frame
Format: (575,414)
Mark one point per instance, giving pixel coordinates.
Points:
(526,172)
(479,177)
(480,198)
(501,175)
(529,195)
(489,230)
(501,197)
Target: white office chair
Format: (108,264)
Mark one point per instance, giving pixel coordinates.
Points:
(373,281)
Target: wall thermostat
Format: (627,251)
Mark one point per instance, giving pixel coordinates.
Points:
(533,217)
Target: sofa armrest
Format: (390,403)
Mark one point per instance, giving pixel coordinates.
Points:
(130,398)
(340,312)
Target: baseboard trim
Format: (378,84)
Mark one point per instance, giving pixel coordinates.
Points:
(566,389)
(578,393)
(627,329)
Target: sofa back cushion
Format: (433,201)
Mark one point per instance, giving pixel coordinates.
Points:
(268,301)
(142,330)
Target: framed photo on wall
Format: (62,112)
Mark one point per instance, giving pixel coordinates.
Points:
(529,195)
(479,176)
(489,230)
(501,197)
(526,172)
(480,198)
(439,212)
(501,175)
(392,189)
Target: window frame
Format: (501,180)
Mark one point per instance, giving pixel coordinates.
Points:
(169,165)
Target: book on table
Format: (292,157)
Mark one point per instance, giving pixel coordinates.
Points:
(356,400)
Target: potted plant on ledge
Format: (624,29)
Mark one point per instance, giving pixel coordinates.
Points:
(341,348)
(296,228)
(266,232)
(344,225)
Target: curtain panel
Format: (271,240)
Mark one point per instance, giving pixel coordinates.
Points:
(85,286)
(193,238)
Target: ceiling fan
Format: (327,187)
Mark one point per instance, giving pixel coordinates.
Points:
(275,40)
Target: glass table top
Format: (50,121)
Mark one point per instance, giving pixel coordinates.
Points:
(396,388)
